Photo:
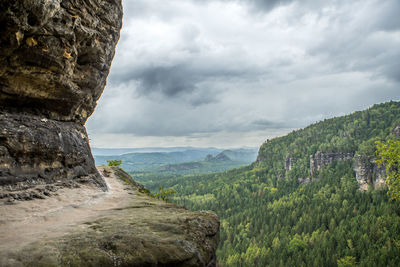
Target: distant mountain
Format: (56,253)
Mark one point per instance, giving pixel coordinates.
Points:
(241,154)
(210,164)
(221,157)
(152,161)
(119,151)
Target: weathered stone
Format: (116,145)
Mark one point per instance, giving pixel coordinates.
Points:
(368,172)
(322,159)
(36,151)
(54,60)
(289,161)
(396,131)
(55,55)
(122,227)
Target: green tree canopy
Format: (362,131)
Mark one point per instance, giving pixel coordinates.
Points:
(116,163)
(389,156)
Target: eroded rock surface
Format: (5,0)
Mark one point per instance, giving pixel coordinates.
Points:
(321,159)
(289,162)
(122,227)
(55,55)
(54,60)
(368,172)
(396,131)
(35,151)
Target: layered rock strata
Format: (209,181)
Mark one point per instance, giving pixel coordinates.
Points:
(35,152)
(289,161)
(321,159)
(368,172)
(54,60)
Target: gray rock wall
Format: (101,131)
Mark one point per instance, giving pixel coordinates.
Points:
(54,60)
(396,131)
(289,161)
(368,172)
(55,55)
(321,159)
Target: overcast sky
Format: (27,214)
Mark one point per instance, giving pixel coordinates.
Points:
(230,73)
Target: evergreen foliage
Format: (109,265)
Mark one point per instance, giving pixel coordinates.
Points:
(114,163)
(164,194)
(268,219)
(389,156)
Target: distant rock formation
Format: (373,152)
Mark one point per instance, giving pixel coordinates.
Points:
(321,159)
(289,161)
(396,131)
(368,172)
(209,157)
(54,60)
(221,157)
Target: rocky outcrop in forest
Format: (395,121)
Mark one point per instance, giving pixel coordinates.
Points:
(368,172)
(321,159)
(54,60)
(396,131)
(289,161)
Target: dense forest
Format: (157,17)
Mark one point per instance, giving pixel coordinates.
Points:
(268,218)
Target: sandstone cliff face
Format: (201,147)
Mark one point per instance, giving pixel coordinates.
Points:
(35,152)
(321,159)
(289,161)
(54,60)
(368,172)
(55,55)
(396,131)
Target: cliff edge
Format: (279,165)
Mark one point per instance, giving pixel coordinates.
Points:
(122,227)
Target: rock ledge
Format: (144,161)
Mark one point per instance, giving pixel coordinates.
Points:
(123,227)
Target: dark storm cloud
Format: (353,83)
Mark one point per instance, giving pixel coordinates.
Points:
(179,81)
(364,41)
(389,19)
(266,5)
(171,81)
(174,80)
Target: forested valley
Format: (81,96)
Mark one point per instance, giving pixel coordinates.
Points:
(273,214)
